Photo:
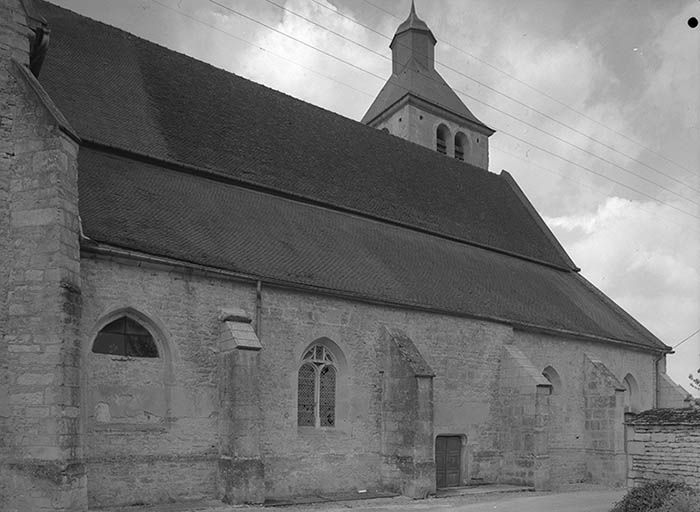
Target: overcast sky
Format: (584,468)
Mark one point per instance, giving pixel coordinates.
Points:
(622,72)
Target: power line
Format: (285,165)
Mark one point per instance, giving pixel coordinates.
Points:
(324,52)
(545,94)
(580,183)
(214,27)
(685,339)
(597,173)
(501,131)
(643,178)
(500,93)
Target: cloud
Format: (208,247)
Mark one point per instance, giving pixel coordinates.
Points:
(644,263)
(311,87)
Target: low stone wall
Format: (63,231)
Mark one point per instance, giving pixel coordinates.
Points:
(663,444)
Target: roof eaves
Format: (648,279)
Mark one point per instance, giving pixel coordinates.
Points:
(225,178)
(538,219)
(110,251)
(624,315)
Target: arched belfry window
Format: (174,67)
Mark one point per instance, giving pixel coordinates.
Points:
(316,390)
(442,136)
(461,142)
(125,337)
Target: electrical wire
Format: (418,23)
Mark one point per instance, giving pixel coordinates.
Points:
(486,86)
(503,112)
(685,339)
(597,191)
(266,50)
(382,78)
(543,93)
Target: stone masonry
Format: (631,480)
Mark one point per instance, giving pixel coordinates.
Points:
(663,444)
(41,464)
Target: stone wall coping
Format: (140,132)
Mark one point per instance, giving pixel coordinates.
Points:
(661,417)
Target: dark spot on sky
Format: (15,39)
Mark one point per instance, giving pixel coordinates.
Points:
(693,22)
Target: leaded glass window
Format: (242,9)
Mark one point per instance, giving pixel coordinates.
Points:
(316,388)
(125,337)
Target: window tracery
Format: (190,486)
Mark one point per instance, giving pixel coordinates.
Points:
(125,337)
(316,393)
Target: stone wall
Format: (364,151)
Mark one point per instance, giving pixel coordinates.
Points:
(603,397)
(663,444)
(407,417)
(519,432)
(41,447)
(468,392)
(418,125)
(571,449)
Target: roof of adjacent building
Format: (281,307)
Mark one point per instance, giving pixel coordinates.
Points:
(660,417)
(190,162)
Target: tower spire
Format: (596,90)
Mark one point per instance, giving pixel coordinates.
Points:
(417,104)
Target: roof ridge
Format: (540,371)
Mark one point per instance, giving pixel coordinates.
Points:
(323,159)
(307,200)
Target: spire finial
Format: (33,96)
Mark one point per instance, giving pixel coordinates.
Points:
(413,7)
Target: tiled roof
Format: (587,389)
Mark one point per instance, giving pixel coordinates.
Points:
(187,217)
(426,84)
(121,91)
(685,416)
(229,162)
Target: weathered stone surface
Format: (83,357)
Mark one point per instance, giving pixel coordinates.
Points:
(660,447)
(41,465)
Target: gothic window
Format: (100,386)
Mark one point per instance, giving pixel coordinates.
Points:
(460,145)
(443,135)
(125,337)
(316,390)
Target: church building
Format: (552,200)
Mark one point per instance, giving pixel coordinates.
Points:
(212,290)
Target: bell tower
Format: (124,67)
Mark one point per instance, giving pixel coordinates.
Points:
(417,104)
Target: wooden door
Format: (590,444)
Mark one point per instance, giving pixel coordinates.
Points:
(448,457)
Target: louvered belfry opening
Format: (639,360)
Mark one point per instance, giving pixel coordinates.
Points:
(316,390)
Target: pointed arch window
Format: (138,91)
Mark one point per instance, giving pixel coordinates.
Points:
(317,388)
(125,337)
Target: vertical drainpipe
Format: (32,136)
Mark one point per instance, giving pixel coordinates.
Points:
(258,306)
(656,380)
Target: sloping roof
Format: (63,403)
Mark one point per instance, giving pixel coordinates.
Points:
(426,84)
(224,164)
(187,217)
(120,91)
(413,22)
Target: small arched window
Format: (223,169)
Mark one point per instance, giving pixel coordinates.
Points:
(443,135)
(553,377)
(461,143)
(631,394)
(125,337)
(316,390)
